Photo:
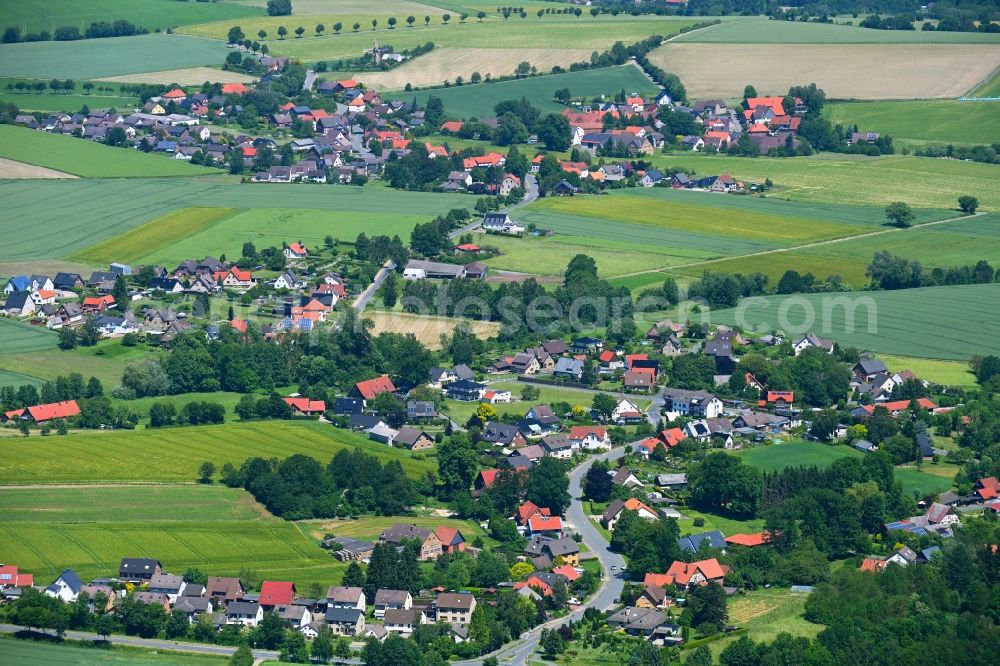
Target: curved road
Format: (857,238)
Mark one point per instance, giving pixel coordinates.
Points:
(518,653)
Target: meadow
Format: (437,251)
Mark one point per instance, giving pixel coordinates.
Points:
(948,373)
(17,337)
(61,218)
(935,322)
(764,31)
(37,15)
(88,158)
(921,122)
(903,71)
(95,58)
(104,361)
(29,653)
(766,613)
(825,178)
(68,103)
(989,88)
(922,483)
(17,379)
(109,457)
(470,101)
(794,453)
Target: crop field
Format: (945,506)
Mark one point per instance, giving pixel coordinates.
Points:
(68,103)
(479,100)
(93,58)
(556,32)
(17,337)
(87,158)
(903,71)
(61,218)
(105,457)
(824,178)
(922,122)
(29,653)
(764,31)
(17,379)
(38,15)
(792,454)
(934,322)
(186,76)
(440,65)
(427,329)
(20,170)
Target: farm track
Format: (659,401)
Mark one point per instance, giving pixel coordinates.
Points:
(880,232)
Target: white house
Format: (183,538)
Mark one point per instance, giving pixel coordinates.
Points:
(625,410)
(66,588)
(590,437)
(813,340)
(247,613)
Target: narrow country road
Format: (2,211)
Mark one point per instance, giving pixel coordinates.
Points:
(362,300)
(530,194)
(612,584)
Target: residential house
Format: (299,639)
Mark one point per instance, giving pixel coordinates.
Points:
(413,439)
(246,613)
(19,304)
(590,437)
(430,545)
(224,591)
(369,389)
(626,412)
(147,598)
(638,381)
(637,621)
(10,578)
(653,596)
(700,404)
(614,511)
(168,584)
(558,446)
(694,542)
(403,622)
(689,574)
(345,621)
(304,406)
(194,606)
(348,549)
(452,607)
(276,593)
(569,368)
(138,569)
(390,600)
(503,434)
(417,410)
(295,251)
(66,587)
(451,538)
(623,476)
(813,340)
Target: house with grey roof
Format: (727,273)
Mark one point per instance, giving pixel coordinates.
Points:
(693,542)
(386,600)
(345,621)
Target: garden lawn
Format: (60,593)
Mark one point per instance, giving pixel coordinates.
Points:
(921,122)
(87,158)
(935,322)
(478,100)
(919,482)
(96,58)
(792,454)
(105,457)
(62,221)
(724,524)
(17,337)
(18,652)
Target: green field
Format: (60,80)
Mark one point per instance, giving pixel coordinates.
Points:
(37,15)
(30,653)
(17,337)
(949,373)
(989,88)
(548,32)
(88,158)
(109,457)
(68,103)
(104,361)
(478,100)
(714,521)
(61,218)
(99,58)
(763,31)
(17,379)
(923,483)
(141,406)
(825,178)
(921,122)
(765,614)
(934,322)
(791,454)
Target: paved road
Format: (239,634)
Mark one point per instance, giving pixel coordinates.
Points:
(362,300)
(530,194)
(518,653)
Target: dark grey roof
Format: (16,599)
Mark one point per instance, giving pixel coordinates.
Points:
(692,543)
(72,581)
(343,615)
(192,604)
(242,608)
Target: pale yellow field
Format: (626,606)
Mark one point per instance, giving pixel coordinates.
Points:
(190,76)
(313,7)
(445,64)
(844,71)
(20,170)
(426,329)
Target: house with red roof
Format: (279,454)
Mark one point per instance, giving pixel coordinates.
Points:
(896,407)
(239,325)
(486,478)
(615,509)
(175,95)
(53,410)
(451,539)
(305,407)
(234,278)
(749,540)
(11,577)
(371,388)
(549,526)
(590,437)
(688,574)
(529,510)
(453,126)
(988,488)
(484,161)
(346,84)
(234,89)
(296,251)
(776,104)
(275,593)
(435,151)
(98,304)
(567,572)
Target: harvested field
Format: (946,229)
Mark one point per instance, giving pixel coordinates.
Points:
(426,329)
(760,30)
(445,64)
(13,169)
(903,71)
(188,76)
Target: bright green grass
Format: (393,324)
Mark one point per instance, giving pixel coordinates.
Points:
(935,322)
(96,457)
(17,379)
(61,218)
(922,121)
(152,503)
(68,103)
(764,31)
(31,653)
(532,32)
(767,613)
(922,483)
(988,88)
(713,521)
(88,158)
(16,337)
(948,373)
(478,100)
(99,58)
(37,15)
(227,399)
(104,361)
(828,178)
(792,454)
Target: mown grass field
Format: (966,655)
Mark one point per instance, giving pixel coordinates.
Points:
(713,521)
(38,15)
(110,457)
(922,122)
(227,399)
(825,178)
(17,337)
(95,58)
(934,322)
(61,221)
(988,88)
(949,373)
(87,158)
(17,379)
(794,453)
(29,653)
(104,361)
(478,100)
(922,483)
(767,613)
(764,31)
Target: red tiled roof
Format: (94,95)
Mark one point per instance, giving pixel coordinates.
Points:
(784,396)
(567,572)
(774,102)
(239,325)
(347,83)
(451,126)
(176,93)
(11,577)
(467,247)
(544,523)
(305,405)
(749,540)
(683,572)
(234,89)
(489,477)
(54,410)
(249,151)
(529,509)
(274,593)
(672,436)
(635,357)
(872,564)
(607,356)
(373,387)
(298,249)
(580,432)
(900,405)
(632,504)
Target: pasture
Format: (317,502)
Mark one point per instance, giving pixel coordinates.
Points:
(37,15)
(776,457)
(918,482)
(104,361)
(59,221)
(922,122)
(764,31)
(17,337)
(17,379)
(427,329)
(478,100)
(18,652)
(103,457)
(87,158)
(934,322)
(903,71)
(95,58)
(875,181)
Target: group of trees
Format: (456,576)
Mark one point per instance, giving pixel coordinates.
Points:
(99,29)
(299,487)
(163,414)
(68,387)
(888,271)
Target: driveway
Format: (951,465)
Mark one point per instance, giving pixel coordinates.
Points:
(530,194)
